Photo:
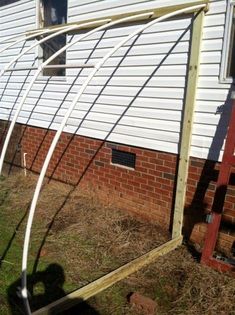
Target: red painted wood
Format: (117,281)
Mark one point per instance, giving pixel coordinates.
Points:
(231,160)
(219,265)
(217,209)
(211,237)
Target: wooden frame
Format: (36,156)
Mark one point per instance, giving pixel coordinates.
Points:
(133,266)
(190,100)
(106,281)
(157,13)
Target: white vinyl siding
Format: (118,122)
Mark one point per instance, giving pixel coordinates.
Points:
(17,17)
(89,9)
(155,125)
(212,97)
(138,102)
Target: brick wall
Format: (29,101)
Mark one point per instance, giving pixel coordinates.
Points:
(147,190)
(201,187)
(13,154)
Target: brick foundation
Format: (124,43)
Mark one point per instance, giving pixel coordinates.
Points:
(14,149)
(201,188)
(147,190)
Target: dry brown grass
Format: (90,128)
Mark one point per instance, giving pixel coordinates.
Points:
(90,239)
(182,286)
(94,238)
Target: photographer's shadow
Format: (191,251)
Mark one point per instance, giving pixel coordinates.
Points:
(45,287)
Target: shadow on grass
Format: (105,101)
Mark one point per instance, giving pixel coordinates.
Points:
(45,287)
(4,254)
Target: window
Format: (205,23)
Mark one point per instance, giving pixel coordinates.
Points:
(231,55)
(228,53)
(53,12)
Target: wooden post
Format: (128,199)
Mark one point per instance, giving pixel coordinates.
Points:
(190,100)
(106,281)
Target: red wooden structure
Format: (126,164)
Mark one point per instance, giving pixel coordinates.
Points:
(228,161)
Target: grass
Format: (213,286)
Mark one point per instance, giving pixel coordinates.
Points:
(13,209)
(76,239)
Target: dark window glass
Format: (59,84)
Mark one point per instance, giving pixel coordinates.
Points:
(231,60)
(55,12)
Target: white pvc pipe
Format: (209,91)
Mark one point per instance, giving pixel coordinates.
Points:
(60,130)
(10,130)
(9,38)
(65,66)
(30,219)
(61,31)
(71,66)
(24,164)
(35,34)
(23,39)
(37,73)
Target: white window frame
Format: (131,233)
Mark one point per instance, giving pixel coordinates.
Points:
(39,13)
(226,43)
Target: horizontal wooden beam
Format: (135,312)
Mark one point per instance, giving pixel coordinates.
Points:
(108,280)
(157,12)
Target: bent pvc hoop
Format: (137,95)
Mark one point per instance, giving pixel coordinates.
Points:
(58,66)
(9,38)
(59,131)
(34,34)
(61,31)
(23,39)
(10,130)
(28,231)
(37,73)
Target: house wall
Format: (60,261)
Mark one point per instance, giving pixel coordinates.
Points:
(135,101)
(112,106)
(149,81)
(146,191)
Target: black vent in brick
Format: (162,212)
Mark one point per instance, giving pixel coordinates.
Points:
(123,158)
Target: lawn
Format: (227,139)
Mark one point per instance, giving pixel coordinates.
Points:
(76,239)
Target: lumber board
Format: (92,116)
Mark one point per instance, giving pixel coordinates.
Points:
(189,107)
(108,280)
(157,12)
